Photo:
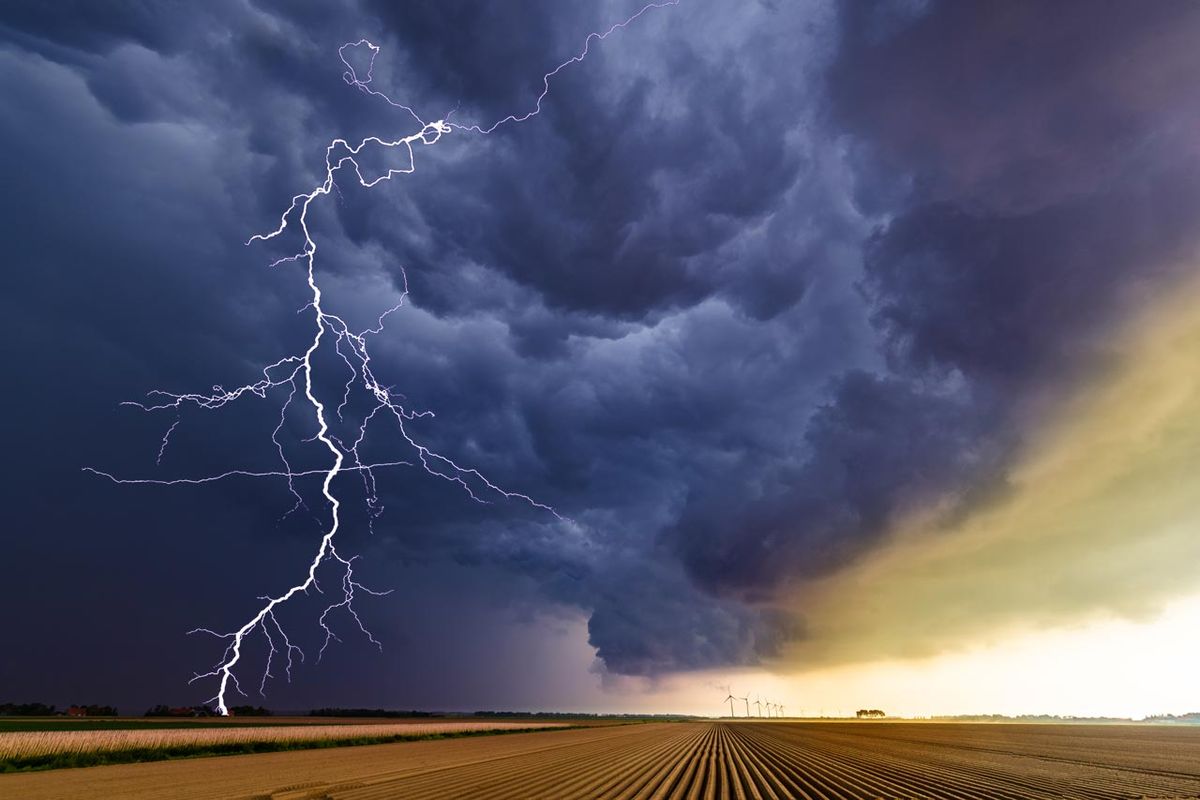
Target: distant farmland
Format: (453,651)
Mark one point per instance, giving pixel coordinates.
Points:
(686,760)
(148,740)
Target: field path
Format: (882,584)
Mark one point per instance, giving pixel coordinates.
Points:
(745,760)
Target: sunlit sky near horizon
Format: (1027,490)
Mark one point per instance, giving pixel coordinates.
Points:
(1105,668)
(1099,668)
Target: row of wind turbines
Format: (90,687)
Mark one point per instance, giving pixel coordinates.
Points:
(759,704)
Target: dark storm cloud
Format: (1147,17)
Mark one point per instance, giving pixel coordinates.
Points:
(1051,279)
(758,280)
(639,182)
(1039,172)
(96,28)
(878,448)
(1049,150)
(1018,106)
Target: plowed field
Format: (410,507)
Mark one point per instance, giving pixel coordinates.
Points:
(685,760)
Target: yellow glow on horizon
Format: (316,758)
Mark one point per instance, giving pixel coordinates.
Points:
(1114,667)
(1108,668)
(1100,522)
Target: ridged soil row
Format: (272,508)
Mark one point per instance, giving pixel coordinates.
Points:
(758,776)
(936,770)
(699,782)
(642,778)
(540,773)
(601,771)
(497,760)
(1027,775)
(1093,746)
(764,774)
(803,773)
(1055,757)
(658,761)
(657,781)
(826,775)
(928,774)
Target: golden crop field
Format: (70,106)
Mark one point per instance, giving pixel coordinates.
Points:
(26,744)
(683,760)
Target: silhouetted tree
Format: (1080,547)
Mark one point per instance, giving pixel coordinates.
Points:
(250,711)
(26,710)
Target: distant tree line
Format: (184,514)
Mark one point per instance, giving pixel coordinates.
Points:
(161,710)
(869,713)
(367,712)
(578,715)
(249,711)
(180,711)
(43,710)
(92,711)
(26,710)
(1190,718)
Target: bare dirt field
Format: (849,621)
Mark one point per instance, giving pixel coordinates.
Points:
(685,760)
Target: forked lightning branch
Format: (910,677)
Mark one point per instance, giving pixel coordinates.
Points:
(295,376)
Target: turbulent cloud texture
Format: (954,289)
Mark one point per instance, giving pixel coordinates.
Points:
(761,282)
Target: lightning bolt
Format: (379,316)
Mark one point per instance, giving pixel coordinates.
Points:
(296,375)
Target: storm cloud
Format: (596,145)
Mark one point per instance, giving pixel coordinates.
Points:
(759,281)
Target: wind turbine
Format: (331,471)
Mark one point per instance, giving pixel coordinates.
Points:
(758,704)
(781,709)
(746,700)
(730,698)
(768,705)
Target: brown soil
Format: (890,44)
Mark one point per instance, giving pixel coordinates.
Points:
(685,760)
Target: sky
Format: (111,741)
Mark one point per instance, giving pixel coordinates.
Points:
(854,345)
